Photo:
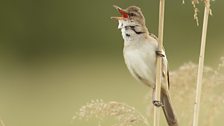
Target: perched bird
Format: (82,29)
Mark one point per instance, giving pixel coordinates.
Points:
(140,52)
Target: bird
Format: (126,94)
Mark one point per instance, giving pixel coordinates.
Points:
(140,52)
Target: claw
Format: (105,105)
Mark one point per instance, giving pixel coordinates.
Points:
(160,53)
(157,103)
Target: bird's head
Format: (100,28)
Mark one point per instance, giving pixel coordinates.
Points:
(132,14)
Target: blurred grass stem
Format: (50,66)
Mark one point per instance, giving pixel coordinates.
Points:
(2,123)
(201,65)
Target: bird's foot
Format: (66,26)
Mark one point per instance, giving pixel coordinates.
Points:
(157,103)
(160,53)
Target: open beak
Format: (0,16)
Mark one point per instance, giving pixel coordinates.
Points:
(124,14)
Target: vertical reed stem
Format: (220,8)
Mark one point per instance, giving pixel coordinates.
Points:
(201,65)
(159,63)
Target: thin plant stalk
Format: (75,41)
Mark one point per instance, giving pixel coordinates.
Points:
(201,65)
(2,123)
(159,63)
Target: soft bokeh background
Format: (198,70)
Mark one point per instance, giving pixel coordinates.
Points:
(56,55)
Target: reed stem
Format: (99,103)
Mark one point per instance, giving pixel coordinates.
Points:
(159,63)
(201,65)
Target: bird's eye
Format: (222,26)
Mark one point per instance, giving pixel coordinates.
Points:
(132,14)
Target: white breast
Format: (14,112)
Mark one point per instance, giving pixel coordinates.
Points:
(140,59)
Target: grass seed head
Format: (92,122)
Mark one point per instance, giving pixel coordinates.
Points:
(124,114)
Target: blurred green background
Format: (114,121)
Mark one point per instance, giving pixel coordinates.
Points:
(56,55)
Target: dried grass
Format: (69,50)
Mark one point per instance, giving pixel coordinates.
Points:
(196,10)
(124,114)
(183,82)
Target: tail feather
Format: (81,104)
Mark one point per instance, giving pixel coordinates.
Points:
(168,109)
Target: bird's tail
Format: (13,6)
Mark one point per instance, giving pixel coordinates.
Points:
(168,109)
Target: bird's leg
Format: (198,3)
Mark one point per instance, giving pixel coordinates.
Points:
(154,101)
(160,53)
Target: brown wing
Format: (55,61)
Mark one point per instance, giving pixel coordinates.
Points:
(168,76)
